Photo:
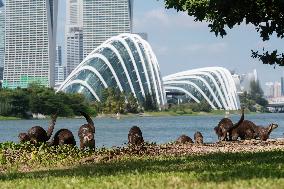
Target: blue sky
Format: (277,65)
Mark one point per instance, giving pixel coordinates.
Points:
(181,44)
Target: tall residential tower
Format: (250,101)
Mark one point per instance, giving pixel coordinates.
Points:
(30,42)
(103,19)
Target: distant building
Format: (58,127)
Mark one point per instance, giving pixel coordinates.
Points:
(276,89)
(74,49)
(2,37)
(59,68)
(268,92)
(246,79)
(103,19)
(30,42)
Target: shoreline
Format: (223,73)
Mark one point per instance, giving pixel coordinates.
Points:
(144,114)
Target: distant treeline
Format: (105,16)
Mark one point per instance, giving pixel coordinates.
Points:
(37,99)
(22,102)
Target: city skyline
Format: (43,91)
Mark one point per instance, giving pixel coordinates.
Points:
(182,44)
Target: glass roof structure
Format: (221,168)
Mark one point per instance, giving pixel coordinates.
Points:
(125,62)
(212,84)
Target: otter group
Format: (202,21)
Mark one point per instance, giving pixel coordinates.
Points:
(63,136)
(243,129)
(226,130)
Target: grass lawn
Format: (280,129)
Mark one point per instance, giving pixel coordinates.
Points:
(220,170)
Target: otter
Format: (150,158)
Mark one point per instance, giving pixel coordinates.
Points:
(63,136)
(248,130)
(86,133)
(225,127)
(37,134)
(135,136)
(263,132)
(198,138)
(184,139)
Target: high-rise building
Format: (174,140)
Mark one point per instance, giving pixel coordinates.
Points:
(103,19)
(2,37)
(74,49)
(269,90)
(59,68)
(74,34)
(30,39)
(277,89)
(74,13)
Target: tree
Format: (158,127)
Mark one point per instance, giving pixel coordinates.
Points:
(149,103)
(265,15)
(132,105)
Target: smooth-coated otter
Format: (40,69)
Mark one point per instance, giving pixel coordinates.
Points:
(135,136)
(86,133)
(38,134)
(248,130)
(184,139)
(263,132)
(63,136)
(225,127)
(198,138)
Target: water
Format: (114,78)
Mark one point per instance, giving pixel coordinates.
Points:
(112,132)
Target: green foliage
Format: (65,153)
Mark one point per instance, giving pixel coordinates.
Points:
(39,99)
(265,16)
(149,103)
(113,101)
(189,108)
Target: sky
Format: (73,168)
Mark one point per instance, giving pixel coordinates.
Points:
(181,44)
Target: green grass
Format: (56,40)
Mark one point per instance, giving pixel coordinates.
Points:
(8,118)
(221,170)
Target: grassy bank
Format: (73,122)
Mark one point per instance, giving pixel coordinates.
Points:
(218,170)
(2,118)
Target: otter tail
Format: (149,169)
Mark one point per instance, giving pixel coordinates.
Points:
(88,119)
(51,126)
(240,121)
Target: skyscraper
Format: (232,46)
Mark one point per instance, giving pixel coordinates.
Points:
(74,13)
(2,37)
(74,34)
(74,48)
(30,38)
(103,19)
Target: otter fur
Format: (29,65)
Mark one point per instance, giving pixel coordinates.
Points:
(63,136)
(37,134)
(184,139)
(248,130)
(135,136)
(86,133)
(225,126)
(198,138)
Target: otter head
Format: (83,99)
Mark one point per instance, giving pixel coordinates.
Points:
(265,132)
(24,137)
(87,135)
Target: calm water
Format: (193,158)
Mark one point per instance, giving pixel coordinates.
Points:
(113,132)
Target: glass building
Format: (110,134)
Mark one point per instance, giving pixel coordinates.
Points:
(215,85)
(103,19)
(2,35)
(30,42)
(125,62)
